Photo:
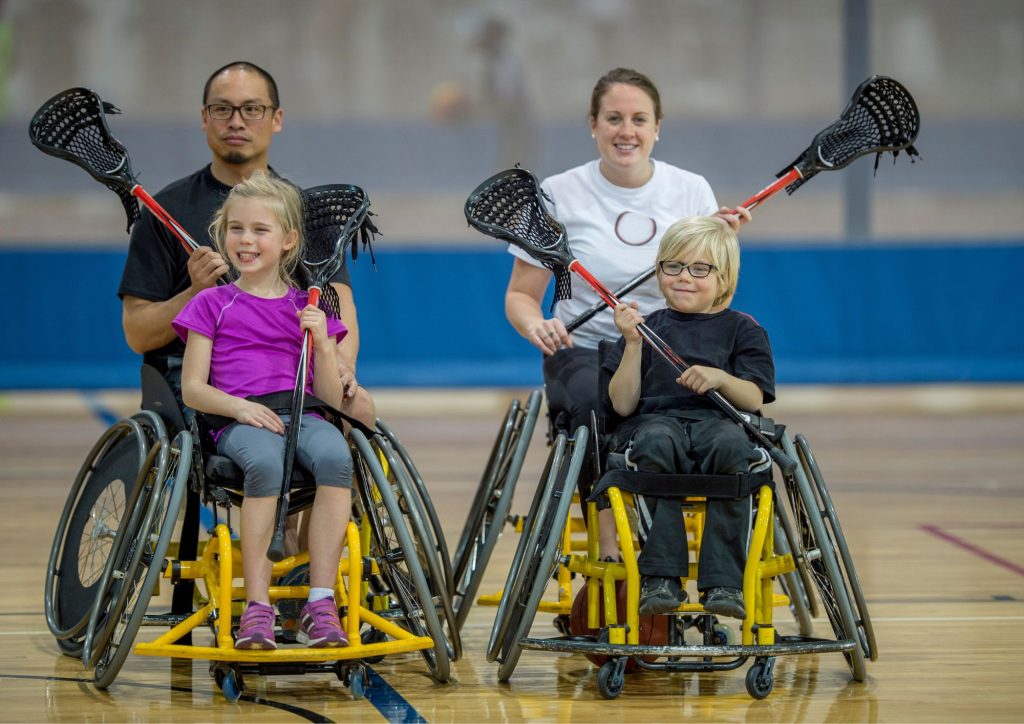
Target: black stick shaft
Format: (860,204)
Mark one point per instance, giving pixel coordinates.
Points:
(599,305)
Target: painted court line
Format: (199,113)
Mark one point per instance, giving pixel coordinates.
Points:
(972,548)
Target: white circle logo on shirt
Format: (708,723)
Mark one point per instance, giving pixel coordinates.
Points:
(635,229)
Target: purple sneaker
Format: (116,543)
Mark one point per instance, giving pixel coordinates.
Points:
(319,626)
(256,629)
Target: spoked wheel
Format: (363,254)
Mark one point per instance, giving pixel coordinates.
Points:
(792,583)
(831,518)
(530,542)
(426,503)
(125,556)
(490,509)
(426,549)
(539,563)
(814,549)
(153,537)
(805,582)
(92,514)
(392,548)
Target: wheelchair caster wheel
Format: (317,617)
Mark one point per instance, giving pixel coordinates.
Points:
(761,678)
(562,624)
(611,678)
(721,635)
(357,683)
(229,681)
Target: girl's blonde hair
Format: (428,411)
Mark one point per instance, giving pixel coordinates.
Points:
(707,238)
(283,201)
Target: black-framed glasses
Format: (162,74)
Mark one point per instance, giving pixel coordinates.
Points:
(248,111)
(698,269)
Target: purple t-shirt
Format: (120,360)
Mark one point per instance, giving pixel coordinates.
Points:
(256,341)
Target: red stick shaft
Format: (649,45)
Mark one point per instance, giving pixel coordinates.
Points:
(158,211)
(771,189)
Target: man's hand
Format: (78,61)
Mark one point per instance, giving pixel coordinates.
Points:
(205,267)
(348,379)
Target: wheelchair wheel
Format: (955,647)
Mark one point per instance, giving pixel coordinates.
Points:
(154,537)
(792,584)
(530,542)
(125,556)
(92,514)
(490,509)
(426,503)
(816,551)
(390,545)
(426,548)
(864,627)
(537,569)
(804,581)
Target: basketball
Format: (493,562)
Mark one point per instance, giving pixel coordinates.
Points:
(653,629)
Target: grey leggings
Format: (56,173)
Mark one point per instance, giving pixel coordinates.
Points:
(322,450)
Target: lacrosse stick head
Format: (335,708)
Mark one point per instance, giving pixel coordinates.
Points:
(510,206)
(73,125)
(334,216)
(881,117)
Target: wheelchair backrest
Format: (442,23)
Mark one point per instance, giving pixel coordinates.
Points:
(158,396)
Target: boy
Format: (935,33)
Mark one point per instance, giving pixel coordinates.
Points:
(673,427)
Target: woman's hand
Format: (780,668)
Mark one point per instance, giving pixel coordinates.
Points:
(548,335)
(257,415)
(627,319)
(735,218)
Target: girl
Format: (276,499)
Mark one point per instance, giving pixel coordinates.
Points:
(243,341)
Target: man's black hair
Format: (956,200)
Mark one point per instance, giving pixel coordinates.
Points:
(271,83)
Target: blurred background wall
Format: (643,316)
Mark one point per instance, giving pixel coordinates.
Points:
(918,281)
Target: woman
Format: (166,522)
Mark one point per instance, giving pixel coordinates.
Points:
(615,210)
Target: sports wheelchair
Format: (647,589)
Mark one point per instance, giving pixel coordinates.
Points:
(490,513)
(113,547)
(796,539)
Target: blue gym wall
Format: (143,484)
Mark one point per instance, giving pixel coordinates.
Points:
(879,313)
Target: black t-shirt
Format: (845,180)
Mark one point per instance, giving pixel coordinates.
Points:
(728,340)
(157,264)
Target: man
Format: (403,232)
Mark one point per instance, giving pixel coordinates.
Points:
(241,113)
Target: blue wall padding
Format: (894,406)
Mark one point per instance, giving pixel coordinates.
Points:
(883,313)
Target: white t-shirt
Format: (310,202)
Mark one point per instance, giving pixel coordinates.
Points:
(615,232)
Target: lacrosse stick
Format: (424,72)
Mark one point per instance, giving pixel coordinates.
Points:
(332,217)
(73,125)
(510,207)
(881,117)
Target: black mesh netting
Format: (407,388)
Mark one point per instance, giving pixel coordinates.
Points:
(510,206)
(73,126)
(335,217)
(880,118)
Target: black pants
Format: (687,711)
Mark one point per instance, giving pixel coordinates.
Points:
(664,444)
(570,384)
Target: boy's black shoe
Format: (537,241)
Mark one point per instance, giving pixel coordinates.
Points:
(723,601)
(659,594)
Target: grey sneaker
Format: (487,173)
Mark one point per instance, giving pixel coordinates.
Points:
(723,601)
(660,594)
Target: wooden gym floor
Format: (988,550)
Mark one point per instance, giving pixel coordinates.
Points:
(927,481)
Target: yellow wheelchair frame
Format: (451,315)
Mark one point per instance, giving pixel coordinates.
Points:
(547,546)
(382,563)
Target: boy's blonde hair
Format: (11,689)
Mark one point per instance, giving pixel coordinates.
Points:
(707,238)
(284,202)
